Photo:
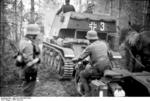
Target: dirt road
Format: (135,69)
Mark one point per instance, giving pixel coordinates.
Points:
(48,86)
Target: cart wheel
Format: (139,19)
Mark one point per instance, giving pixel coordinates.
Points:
(59,65)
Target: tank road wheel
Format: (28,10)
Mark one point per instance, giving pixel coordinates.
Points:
(55,63)
(61,73)
(50,62)
(45,56)
(49,59)
(59,64)
(52,59)
(60,68)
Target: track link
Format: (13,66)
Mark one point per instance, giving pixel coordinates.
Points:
(66,71)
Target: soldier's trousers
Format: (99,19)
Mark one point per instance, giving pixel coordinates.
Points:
(30,81)
(97,70)
(85,75)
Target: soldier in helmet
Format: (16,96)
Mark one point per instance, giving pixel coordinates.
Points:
(30,51)
(97,51)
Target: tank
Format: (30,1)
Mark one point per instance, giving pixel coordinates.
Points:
(69,31)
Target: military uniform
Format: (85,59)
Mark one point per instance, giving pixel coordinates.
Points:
(26,48)
(30,52)
(31,74)
(66,8)
(98,58)
(98,54)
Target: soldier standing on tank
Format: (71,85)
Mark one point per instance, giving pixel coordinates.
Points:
(98,53)
(66,8)
(30,51)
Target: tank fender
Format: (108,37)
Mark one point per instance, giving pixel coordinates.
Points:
(66,52)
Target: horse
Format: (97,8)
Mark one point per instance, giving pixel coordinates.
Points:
(136,45)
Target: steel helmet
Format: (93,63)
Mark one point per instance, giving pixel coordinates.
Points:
(32,29)
(92,35)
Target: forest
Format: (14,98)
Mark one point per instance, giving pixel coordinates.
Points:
(16,14)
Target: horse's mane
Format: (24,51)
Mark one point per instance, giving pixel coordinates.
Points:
(130,35)
(132,38)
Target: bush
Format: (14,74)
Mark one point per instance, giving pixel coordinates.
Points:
(9,72)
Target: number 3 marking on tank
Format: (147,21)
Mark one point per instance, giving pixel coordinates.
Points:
(102,26)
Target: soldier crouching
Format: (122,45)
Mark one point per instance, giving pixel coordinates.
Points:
(30,52)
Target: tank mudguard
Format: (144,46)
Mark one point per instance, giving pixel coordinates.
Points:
(66,52)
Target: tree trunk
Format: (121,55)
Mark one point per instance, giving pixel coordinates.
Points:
(147,16)
(2,26)
(32,11)
(21,20)
(16,29)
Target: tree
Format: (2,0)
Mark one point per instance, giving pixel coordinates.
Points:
(147,16)
(32,12)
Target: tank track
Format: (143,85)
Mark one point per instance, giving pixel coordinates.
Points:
(58,63)
(67,71)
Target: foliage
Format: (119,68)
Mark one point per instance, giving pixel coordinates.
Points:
(10,24)
(134,9)
(11,28)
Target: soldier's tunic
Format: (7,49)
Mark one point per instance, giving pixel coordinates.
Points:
(99,61)
(26,48)
(98,55)
(66,8)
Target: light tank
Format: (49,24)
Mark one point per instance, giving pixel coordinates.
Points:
(69,31)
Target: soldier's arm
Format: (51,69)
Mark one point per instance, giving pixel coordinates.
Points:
(37,57)
(59,11)
(38,53)
(84,54)
(34,61)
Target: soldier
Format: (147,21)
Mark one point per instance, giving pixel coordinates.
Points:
(66,8)
(30,52)
(97,51)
